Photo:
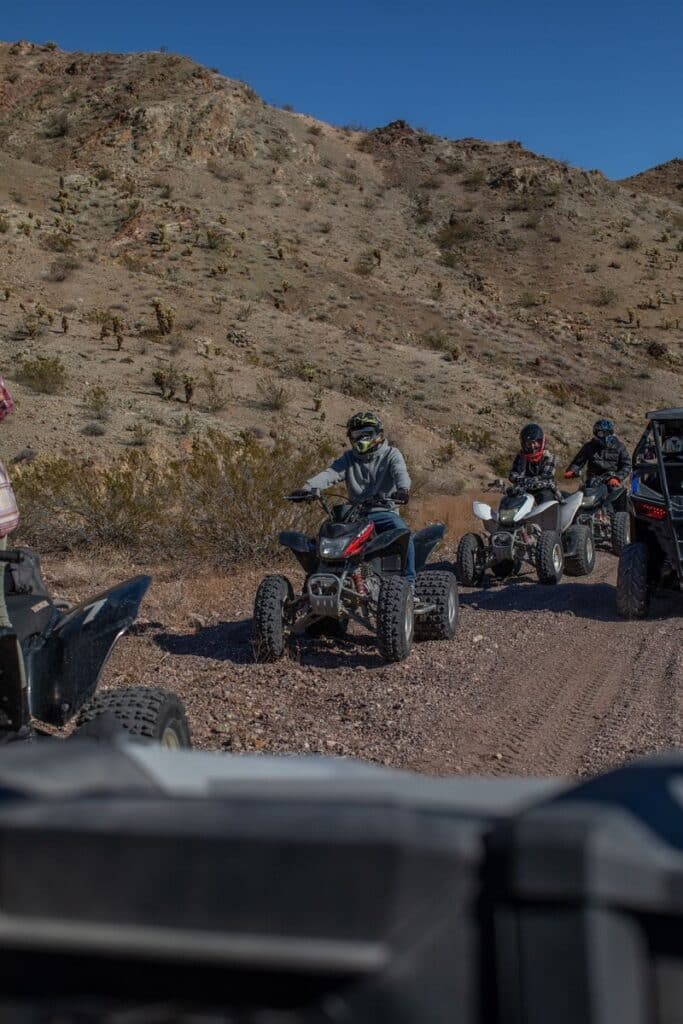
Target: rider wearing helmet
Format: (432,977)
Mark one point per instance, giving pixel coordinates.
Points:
(534,466)
(371,468)
(604,455)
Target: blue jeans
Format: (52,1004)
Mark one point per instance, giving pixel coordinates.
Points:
(385,520)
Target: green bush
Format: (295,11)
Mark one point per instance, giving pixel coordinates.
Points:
(44,374)
(223,502)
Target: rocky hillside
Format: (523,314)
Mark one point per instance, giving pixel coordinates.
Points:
(165,235)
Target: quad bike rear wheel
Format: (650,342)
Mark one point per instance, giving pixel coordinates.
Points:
(395,618)
(621,531)
(582,562)
(439,589)
(146,712)
(633,591)
(469,560)
(549,557)
(270,617)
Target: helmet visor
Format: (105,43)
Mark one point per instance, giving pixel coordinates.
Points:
(365,439)
(602,433)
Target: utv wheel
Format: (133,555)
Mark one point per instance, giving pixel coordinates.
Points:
(395,618)
(441,590)
(633,592)
(335,628)
(583,562)
(143,711)
(549,558)
(270,617)
(469,560)
(621,531)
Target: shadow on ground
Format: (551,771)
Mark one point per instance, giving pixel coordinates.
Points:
(232,641)
(584,600)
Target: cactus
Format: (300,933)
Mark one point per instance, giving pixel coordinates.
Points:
(188,385)
(65,325)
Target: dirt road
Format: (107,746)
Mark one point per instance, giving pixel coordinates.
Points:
(540,680)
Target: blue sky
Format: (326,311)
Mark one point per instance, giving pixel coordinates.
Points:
(597,83)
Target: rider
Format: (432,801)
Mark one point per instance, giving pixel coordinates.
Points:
(604,456)
(534,466)
(370,468)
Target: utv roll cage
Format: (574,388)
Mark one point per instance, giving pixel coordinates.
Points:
(656,498)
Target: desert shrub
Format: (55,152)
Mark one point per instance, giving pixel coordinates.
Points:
(233,486)
(140,434)
(215,394)
(4,224)
(97,405)
(274,396)
(452,165)
(527,300)
(365,263)
(57,126)
(58,241)
(474,179)
(44,374)
(94,429)
(629,242)
(522,403)
(604,296)
(471,437)
(62,268)
(454,233)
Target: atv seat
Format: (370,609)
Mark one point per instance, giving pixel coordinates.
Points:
(425,541)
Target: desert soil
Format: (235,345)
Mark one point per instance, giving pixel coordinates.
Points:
(540,680)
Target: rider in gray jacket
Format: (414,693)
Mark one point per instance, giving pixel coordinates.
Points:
(371,468)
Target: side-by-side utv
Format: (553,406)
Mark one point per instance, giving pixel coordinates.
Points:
(654,558)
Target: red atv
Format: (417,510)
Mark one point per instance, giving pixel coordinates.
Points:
(355,572)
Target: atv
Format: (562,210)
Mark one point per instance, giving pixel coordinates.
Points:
(545,536)
(355,573)
(654,558)
(605,511)
(52,658)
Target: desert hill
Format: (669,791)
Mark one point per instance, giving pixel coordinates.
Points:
(164,231)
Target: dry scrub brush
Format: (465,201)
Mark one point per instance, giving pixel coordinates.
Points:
(223,503)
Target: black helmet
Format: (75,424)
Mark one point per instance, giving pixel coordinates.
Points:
(365,431)
(603,431)
(532,440)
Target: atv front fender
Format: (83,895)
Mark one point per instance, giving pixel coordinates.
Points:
(63,672)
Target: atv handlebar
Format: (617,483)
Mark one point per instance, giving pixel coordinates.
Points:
(14,557)
(359,504)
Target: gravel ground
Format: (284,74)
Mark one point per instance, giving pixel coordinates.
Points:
(539,680)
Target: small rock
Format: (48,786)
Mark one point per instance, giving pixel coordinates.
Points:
(477,639)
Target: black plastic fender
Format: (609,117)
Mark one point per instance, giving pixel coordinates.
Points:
(425,541)
(63,672)
(397,537)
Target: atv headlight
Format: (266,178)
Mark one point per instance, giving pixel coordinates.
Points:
(332,547)
(507,515)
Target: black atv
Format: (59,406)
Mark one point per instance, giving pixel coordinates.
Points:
(354,572)
(52,658)
(604,509)
(654,558)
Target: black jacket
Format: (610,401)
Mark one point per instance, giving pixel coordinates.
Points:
(612,459)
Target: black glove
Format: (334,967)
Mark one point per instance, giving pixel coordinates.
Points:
(401,496)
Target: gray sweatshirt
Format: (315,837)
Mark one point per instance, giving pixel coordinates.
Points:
(384,473)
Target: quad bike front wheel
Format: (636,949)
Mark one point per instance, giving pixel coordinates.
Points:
(469,560)
(633,591)
(270,617)
(395,618)
(549,558)
(440,590)
(146,712)
(621,531)
(582,562)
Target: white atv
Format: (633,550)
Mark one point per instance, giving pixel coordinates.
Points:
(545,536)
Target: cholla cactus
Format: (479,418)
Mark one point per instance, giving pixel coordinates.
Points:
(165,317)
(65,325)
(188,385)
(159,378)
